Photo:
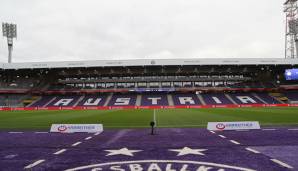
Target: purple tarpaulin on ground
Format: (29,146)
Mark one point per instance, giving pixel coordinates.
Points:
(129,149)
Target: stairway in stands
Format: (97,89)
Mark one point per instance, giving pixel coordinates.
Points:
(170,100)
(139,99)
(108,99)
(279,97)
(30,101)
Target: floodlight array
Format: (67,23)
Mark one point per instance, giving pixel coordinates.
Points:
(9,30)
(293,26)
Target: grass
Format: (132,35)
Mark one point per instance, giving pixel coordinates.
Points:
(42,120)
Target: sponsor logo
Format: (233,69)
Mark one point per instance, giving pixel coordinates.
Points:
(69,128)
(220,126)
(233,125)
(166,165)
(62,128)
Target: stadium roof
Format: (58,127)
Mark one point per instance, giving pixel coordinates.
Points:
(151,62)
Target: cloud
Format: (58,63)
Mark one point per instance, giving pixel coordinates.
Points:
(58,30)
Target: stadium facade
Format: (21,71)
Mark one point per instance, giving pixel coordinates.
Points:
(152,62)
(146,83)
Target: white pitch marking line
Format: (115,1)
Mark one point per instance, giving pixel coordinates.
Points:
(252,150)
(60,151)
(281,163)
(268,129)
(295,129)
(34,164)
(212,132)
(243,130)
(222,136)
(16,132)
(75,144)
(154,118)
(235,142)
(97,133)
(88,138)
(41,132)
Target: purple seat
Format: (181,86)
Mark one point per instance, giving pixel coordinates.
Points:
(64,101)
(41,102)
(267,98)
(186,99)
(154,100)
(123,100)
(216,99)
(93,100)
(245,98)
(292,95)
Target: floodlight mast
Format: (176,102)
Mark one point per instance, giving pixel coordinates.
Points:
(291,36)
(9,31)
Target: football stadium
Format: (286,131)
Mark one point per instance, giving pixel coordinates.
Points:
(201,114)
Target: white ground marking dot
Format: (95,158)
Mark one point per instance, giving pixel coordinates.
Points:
(252,150)
(34,164)
(222,136)
(268,129)
(75,144)
(234,142)
(59,152)
(88,138)
(281,163)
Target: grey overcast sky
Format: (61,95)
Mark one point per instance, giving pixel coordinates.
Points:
(63,30)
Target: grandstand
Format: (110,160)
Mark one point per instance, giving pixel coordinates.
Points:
(149,114)
(142,83)
(184,94)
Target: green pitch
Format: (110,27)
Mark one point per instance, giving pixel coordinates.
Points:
(41,120)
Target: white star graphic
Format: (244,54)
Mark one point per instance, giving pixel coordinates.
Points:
(187,150)
(122,151)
